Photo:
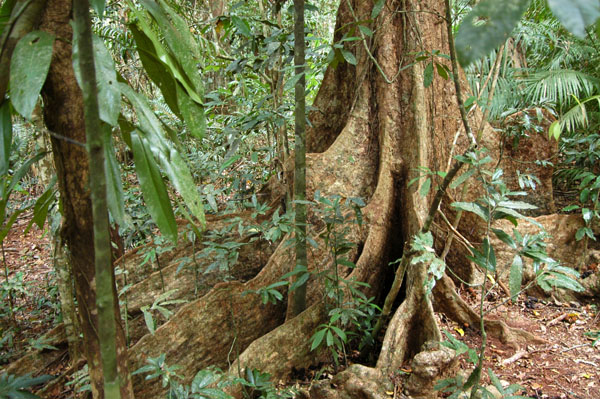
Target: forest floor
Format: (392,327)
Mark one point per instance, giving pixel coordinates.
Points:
(566,366)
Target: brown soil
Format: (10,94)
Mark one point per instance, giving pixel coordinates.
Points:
(37,306)
(567,366)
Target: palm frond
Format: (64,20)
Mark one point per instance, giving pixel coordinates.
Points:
(577,116)
(559,86)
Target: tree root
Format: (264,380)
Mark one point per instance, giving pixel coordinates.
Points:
(452,305)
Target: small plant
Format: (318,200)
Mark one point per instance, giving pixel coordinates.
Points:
(457,386)
(160,305)
(13,387)
(258,385)
(81,380)
(207,384)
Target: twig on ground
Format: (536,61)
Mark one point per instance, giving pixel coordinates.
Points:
(514,357)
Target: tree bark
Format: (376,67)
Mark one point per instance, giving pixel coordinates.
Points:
(64,117)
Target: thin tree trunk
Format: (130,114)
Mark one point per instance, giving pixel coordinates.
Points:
(298,296)
(105,299)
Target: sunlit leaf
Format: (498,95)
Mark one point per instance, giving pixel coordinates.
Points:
(109,95)
(153,188)
(516,277)
(114,187)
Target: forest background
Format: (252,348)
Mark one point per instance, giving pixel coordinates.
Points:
(202,94)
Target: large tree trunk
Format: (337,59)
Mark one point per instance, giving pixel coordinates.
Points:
(63,114)
(369,134)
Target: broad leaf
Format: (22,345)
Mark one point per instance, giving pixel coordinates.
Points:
(42,204)
(317,338)
(349,57)
(576,15)
(179,39)
(98,6)
(428,75)
(377,8)
(486,27)
(29,66)
(505,238)
(114,187)
(5,137)
(472,207)
(516,277)
(109,95)
(166,153)
(5,12)
(192,112)
(153,188)
(158,70)
(162,53)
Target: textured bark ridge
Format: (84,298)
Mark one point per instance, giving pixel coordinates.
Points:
(369,135)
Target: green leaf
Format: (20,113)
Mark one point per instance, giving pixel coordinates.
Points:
(109,95)
(8,224)
(302,279)
(329,338)
(5,12)
(365,30)
(505,238)
(317,338)
(462,178)
(581,232)
(424,190)
(29,66)
(181,55)
(377,8)
(149,321)
(114,187)
(489,255)
(587,215)
(168,156)
(442,71)
(42,204)
(486,27)
(560,280)
(98,6)
(159,71)
(192,112)
(555,130)
(242,26)
(153,188)
(5,137)
(576,15)
(230,161)
(349,57)
(516,205)
(472,207)
(340,333)
(516,277)
(569,208)
(292,82)
(428,75)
